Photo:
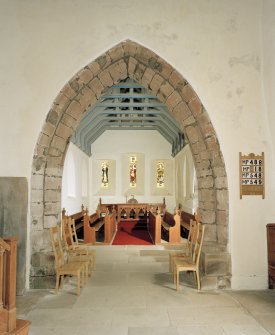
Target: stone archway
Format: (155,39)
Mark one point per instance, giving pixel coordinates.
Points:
(129,59)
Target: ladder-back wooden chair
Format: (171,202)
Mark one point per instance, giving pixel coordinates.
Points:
(63,268)
(193,264)
(189,247)
(73,248)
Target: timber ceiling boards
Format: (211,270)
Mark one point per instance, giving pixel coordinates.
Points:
(127,106)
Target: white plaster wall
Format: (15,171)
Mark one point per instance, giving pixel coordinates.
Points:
(217,45)
(72,203)
(114,145)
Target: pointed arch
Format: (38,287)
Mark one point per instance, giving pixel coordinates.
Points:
(130,59)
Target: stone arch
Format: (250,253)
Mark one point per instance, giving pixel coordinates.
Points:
(128,59)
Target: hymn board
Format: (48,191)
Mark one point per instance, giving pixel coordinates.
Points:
(252,175)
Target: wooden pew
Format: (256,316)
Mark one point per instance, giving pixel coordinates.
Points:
(8,322)
(171,226)
(78,219)
(95,222)
(154,226)
(92,224)
(109,225)
(185,221)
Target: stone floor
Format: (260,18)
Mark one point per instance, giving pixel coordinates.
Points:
(132,293)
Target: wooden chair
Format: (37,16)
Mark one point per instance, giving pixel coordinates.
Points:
(189,247)
(181,265)
(63,268)
(75,250)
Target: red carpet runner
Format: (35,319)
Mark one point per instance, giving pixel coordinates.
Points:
(128,233)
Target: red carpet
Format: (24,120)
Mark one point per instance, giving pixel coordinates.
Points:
(128,233)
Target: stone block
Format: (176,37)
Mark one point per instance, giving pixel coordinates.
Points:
(104,61)
(39,163)
(192,134)
(132,64)
(53,183)
(94,67)
(116,53)
(53,161)
(53,172)
(63,131)
(96,86)
(221,182)
(196,107)
(222,233)
(40,240)
(216,264)
(222,199)
(52,195)
(37,181)
(187,93)
(208,216)
(166,69)
(53,117)
(37,209)
(61,102)
(208,195)
(155,84)
(48,129)
(68,91)
(36,196)
(207,182)
(86,98)
(173,100)
(68,120)
(37,222)
(51,208)
(165,91)
(44,140)
(209,283)
(44,283)
(188,121)
(118,71)
(59,143)
(130,48)
(106,79)
(177,80)
(75,84)
(147,77)
(139,71)
(181,112)
(222,217)
(85,76)
(210,234)
(75,110)
(50,221)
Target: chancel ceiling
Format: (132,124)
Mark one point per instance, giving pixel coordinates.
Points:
(128,106)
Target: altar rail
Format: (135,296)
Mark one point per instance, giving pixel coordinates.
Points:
(8,322)
(131,211)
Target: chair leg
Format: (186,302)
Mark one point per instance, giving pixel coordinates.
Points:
(57,283)
(177,285)
(78,282)
(198,280)
(61,281)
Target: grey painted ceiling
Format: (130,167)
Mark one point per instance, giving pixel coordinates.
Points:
(128,106)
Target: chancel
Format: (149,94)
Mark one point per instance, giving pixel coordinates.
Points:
(137,177)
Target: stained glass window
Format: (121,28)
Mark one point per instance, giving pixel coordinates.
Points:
(160,175)
(133,171)
(104,176)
